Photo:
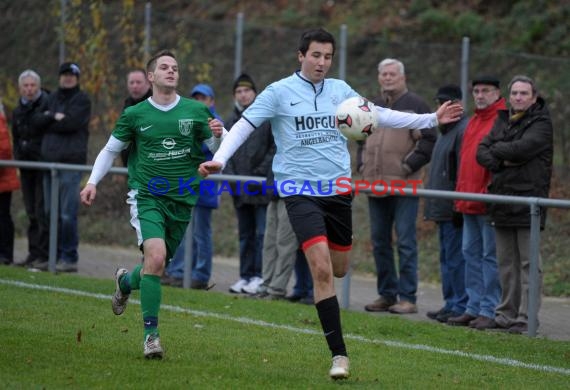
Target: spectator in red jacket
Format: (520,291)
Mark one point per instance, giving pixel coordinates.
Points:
(8,182)
(481,273)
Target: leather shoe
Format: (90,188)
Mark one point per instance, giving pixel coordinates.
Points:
(404,307)
(462,320)
(446,315)
(434,313)
(63,266)
(294,297)
(380,304)
(196,284)
(473,324)
(171,281)
(485,323)
(518,328)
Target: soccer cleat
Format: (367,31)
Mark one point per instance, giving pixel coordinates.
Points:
(152,348)
(339,369)
(119,300)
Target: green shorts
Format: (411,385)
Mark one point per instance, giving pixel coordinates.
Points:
(159,217)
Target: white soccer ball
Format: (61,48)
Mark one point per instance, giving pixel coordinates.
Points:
(356,118)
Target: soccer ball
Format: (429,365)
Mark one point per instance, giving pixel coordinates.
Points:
(356,118)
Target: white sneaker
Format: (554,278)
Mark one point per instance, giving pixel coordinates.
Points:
(152,348)
(253,285)
(237,286)
(340,366)
(120,299)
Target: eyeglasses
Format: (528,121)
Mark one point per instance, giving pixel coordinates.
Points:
(477,91)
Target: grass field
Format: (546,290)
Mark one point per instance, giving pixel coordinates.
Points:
(58,332)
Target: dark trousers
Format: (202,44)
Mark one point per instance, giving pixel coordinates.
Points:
(251,227)
(6,229)
(38,231)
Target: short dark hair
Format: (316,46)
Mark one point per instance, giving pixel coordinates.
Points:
(151,64)
(524,79)
(315,35)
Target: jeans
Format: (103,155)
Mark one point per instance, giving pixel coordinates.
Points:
(201,248)
(67,235)
(452,266)
(481,273)
(400,212)
(251,226)
(303,280)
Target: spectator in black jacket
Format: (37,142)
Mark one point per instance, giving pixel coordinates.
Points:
(66,123)
(518,151)
(27,136)
(443,176)
(253,158)
(139,90)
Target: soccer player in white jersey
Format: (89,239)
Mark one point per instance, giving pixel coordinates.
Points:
(311,155)
(166,133)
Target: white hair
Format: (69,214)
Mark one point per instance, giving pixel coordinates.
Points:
(391,61)
(29,73)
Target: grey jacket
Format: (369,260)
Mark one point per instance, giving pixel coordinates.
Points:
(443,170)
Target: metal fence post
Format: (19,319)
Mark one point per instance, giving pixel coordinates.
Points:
(534,282)
(188,237)
(147,28)
(53,218)
(239,45)
(464,69)
(345,297)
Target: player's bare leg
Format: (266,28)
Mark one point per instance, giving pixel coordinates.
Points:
(321,265)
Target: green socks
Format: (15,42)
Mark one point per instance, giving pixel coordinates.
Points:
(131,281)
(151,294)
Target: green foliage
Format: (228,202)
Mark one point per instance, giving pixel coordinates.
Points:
(58,339)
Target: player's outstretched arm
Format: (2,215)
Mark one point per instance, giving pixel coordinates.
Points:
(209,167)
(103,163)
(237,135)
(88,194)
(449,112)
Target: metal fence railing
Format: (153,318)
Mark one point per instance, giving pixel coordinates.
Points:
(534,203)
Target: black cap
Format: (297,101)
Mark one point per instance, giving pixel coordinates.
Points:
(487,80)
(449,92)
(244,81)
(69,67)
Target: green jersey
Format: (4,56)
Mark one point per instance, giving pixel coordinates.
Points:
(165,147)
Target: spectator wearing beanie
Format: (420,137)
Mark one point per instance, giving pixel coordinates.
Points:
(443,176)
(253,158)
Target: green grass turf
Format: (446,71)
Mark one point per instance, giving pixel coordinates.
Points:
(55,338)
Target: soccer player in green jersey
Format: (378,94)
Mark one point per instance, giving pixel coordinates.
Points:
(165,132)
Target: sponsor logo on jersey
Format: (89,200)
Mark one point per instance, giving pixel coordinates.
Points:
(145,128)
(168,143)
(185,126)
(315,122)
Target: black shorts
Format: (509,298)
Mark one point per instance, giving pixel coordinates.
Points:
(321,218)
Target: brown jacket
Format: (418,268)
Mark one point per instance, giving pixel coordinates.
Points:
(397,154)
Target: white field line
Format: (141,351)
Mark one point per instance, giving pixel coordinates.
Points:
(249,321)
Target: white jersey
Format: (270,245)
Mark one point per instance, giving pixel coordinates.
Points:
(312,156)
(311,152)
